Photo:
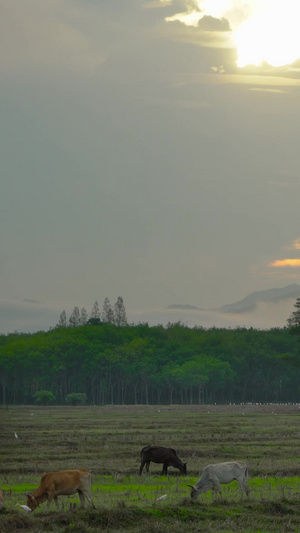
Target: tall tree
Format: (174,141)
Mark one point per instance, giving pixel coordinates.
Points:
(62,323)
(107,312)
(74,319)
(95,313)
(94,319)
(294,319)
(83,316)
(120,312)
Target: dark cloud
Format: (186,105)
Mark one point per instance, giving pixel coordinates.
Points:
(208,23)
(252,300)
(184,307)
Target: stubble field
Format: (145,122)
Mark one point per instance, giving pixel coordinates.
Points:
(107,441)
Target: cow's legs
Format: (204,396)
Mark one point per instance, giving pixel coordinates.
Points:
(216,489)
(81,497)
(147,466)
(244,486)
(87,495)
(142,466)
(164,471)
(55,498)
(52,496)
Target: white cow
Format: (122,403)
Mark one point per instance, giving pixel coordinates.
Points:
(221,473)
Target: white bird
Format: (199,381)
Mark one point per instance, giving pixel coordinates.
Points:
(16,436)
(164,497)
(25,507)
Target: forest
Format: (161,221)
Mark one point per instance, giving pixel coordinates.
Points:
(137,364)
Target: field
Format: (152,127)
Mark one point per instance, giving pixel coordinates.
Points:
(107,440)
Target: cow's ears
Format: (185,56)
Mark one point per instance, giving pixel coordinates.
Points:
(191,486)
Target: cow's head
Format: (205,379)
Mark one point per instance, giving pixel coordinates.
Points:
(32,502)
(183,469)
(194,492)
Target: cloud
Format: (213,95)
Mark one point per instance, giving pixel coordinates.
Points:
(219,70)
(288,262)
(158,3)
(264,315)
(267,90)
(184,307)
(281,263)
(57,34)
(296,244)
(276,40)
(222,15)
(260,81)
(190,17)
(208,23)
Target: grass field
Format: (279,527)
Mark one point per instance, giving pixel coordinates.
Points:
(107,440)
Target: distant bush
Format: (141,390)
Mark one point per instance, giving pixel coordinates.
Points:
(44,397)
(76,398)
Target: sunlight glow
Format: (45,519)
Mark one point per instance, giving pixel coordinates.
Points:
(296,244)
(271,35)
(286,263)
(264,31)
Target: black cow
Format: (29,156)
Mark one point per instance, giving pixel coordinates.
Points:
(159,454)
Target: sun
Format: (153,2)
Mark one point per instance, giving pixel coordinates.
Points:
(263,31)
(271,35)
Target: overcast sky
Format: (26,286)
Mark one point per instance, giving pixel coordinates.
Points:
(149,149)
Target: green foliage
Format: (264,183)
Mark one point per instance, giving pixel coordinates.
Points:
(151,365)
(76,398)
(294,319)
(44,397)
(93,321)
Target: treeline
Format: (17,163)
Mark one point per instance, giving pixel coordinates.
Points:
(139,364)
(109,315)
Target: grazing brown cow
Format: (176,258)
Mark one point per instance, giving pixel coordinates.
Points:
(159,454)
(65,483)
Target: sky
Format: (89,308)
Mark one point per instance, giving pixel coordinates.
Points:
(149,150)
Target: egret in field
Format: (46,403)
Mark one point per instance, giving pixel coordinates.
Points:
(24,507)
(162,498)
(16,436)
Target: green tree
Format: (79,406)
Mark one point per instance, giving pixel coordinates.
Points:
(62,323)
(294,319)
(74,320)
(76,398)
(95,313)
(107,312)
(195,374)
(120,312)
(83,316)
(44,397)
